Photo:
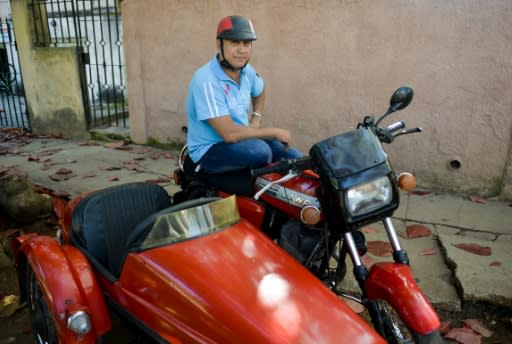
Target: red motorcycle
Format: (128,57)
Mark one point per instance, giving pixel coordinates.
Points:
(314,208)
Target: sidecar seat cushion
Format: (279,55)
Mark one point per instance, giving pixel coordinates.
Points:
(102,222)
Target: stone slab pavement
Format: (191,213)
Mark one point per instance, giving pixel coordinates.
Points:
(449,277)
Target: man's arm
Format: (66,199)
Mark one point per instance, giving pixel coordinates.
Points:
(258,106)
(231,132)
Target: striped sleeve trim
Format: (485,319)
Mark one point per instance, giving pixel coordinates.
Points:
(210,99)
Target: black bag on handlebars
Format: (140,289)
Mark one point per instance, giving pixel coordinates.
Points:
(343,156)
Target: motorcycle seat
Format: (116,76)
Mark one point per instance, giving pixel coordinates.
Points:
(238,182)
(102,222)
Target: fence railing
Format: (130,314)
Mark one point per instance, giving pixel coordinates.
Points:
(13,109)
(95,27)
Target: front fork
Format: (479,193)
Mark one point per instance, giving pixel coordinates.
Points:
(360,271)
(394,283)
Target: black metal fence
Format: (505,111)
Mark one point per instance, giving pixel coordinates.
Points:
(95,27)
(13,109)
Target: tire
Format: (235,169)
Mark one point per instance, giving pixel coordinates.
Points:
(41,320)
(391,327)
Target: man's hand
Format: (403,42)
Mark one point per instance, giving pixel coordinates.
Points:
(284,136)
(230,132)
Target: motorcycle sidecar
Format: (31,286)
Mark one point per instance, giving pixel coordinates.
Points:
(192,273)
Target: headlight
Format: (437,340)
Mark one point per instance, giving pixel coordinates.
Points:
(80,323)
(367,197)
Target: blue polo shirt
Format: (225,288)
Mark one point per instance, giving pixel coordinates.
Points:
(212,93)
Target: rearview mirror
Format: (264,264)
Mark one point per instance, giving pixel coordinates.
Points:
(400,98)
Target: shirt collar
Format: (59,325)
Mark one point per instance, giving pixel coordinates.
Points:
(219,72)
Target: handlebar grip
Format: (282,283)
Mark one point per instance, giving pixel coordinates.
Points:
(282,166)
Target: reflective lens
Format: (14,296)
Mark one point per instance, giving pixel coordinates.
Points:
(367,197)
(80,323)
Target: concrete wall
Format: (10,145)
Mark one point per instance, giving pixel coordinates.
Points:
(329,62)
(51,77)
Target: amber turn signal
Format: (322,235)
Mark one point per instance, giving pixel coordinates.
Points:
(310,215)
(406,181)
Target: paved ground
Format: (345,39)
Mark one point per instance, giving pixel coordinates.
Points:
(449,275)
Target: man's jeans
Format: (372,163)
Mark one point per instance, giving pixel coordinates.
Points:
(250,153)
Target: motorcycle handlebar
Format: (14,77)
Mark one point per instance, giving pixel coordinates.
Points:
(283,165)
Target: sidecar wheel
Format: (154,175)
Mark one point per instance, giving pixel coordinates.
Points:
(42,324)
(395,331)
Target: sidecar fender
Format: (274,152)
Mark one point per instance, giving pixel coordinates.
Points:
(67,282)
(395,284)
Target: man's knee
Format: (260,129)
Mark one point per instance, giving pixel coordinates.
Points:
(259,154)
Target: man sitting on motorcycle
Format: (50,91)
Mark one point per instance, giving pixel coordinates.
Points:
(221,134)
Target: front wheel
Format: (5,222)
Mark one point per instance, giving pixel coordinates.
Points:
(391,327)
(43,327)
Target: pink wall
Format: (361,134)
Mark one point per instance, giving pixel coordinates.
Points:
(328,63)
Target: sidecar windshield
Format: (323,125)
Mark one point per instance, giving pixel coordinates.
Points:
(172,225)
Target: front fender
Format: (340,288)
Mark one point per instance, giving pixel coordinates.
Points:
(68,284)
(395,284)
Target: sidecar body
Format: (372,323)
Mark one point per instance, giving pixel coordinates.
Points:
(196,272)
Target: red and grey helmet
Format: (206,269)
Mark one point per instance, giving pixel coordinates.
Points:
(236,28)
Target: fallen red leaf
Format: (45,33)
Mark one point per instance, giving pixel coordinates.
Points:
(475,249)
(14,171)
(63,170)
(141,150)
(355,306)
(495,263)
(4,169)
(463,335)
(367,261)
(429,251)
(89,175)
(155,156)
(108,168)
(478,327)
(380,248)
(134,162)
(48,152)
(115,145)
(61,177)
(369,230)
(445,327)
(61,194)
(88,143)
(169,155)
(477,199)
(417,231)
(131,167)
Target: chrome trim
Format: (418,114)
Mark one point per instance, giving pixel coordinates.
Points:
(352,249)
(84,327)
(181,158)
(391,231)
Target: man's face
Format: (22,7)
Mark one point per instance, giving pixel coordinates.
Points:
(237,53)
